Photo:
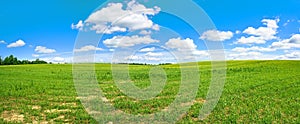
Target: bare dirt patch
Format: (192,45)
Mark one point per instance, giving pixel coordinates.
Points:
(72,104)
(36,107)
(199,100)
(11,116)
(57,111)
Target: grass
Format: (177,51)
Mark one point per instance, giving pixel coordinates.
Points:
(254,92)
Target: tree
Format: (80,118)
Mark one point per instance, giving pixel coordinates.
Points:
(14,60)
(25,62)
(7,61)
(11,60)
(38,61)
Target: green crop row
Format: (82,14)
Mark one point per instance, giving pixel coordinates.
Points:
(254,92)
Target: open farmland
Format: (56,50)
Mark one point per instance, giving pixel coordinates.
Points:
(255,91)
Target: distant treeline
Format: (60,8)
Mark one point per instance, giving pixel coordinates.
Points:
(144,63)
(11,60)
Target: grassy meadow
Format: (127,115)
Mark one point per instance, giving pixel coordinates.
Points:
(254,92)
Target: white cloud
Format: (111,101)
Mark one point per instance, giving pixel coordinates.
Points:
(35,55)
(88,58)
(295,39)
(54,59)
(184,49)
(254,48)
(156,27)
(133,57)
(79,25)
(153,54)
(295,55)
(109,30)
(214,35)
(44,50)
(148,49)
(128,41)
(251,40)
(142,59)
(145,32)
(181,44)
(287,22)
(271,23)
(260,35)
(58,59)
(116,18)
(265,33)
(200,53)
(238,32)
(18,43)
(293,42)
(88,48)
(2,42)
(239,49)
(245,55)
(152,59)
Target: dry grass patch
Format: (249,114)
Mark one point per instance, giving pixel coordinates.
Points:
(11,116)
(72,104)
(36,107)
(57,111)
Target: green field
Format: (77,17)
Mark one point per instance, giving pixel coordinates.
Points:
(254,92)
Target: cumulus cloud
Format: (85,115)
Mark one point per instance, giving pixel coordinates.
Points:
(153,54)
(265,33)
(271,23)
(251,40)
(293,42)
(201,53)
(152,59)
(254,48)
(245,55)
(44,50)
(181,44)
(18,43)
(185,49)
(128,41)
(58,59)
(35,55)
(260,35)
(287,22)
(54,59)
(117,18)
(2,42)
(215,35)
(151,49)
(133,57)
(88,48)
(295,39)
(143,58)
(145,32)
(78,26)
(294,55)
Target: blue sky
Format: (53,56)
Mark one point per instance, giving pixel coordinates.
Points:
(49,30)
